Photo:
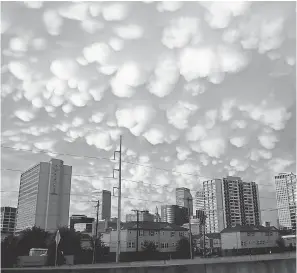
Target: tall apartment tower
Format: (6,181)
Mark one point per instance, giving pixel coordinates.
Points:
(214,205)
(286,200)
(241,202)
(105,207)
(44,196)
(184,199)
(8,215)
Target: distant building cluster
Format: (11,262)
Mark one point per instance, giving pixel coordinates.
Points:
(224,213)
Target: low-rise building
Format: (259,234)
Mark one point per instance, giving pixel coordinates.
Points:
(211,242)
(165,236)
(289,240)
(240,238)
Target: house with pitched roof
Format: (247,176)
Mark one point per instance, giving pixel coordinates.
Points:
(241,238)
(165,236)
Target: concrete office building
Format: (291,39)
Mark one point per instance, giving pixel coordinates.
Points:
(44,196)
(241,202)
(105,206)
(174,214)
(143,216)
(8,216)
(184,199)
(286,200)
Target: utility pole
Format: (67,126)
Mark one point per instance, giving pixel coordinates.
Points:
(204,226)
(190,228)
(96,232)
(119,201)
(137,227)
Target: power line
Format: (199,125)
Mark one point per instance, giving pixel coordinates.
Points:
(129,180)
(47,151)
(108,159)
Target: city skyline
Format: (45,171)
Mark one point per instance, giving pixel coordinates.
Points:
(194,95)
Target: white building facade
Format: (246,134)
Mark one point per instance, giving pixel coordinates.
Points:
(214,205)
(44,196)
(286,200)
(165,236)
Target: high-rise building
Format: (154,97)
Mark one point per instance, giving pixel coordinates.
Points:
(229,202)
(184,199)
(44,196)
(174,214)
(214,205)
(199,201)
(241,202)
(286,200)
(8,216)
(143,216)
(105,208)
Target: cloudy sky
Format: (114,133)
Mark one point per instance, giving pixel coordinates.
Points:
(197,90)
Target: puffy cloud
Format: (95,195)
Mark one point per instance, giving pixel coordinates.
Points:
(182,153)
(101,140)
(52,21)
(267,141)
(165,77)
(179,113)
(273,117)
(97,117)
(79,99)
(226,109)
(18,44)
(64,69)
(239,165)
(196,133)
(44,145)
(75,11)
(278,165)
(170,6)
(116,44)
(19,70)
(180,31)
(214,147)
(129,32)
(97,52)
(241,124)
(220,13)
(24,115)
(155,135)
(238,141)
(115,12)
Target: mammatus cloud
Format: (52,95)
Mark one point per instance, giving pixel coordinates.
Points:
(197,90)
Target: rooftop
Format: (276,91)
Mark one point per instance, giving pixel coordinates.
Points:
(152,226)
(249,229)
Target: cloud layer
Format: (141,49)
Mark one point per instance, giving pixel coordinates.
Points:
(199,89)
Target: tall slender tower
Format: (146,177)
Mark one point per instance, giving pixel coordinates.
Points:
(44,196)
(286,200)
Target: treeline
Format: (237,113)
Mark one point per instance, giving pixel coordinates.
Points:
(70,244)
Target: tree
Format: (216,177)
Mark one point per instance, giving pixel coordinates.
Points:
(31,238)
(8,251)
(149,247)
(281,243)
(183,247)
(100,248)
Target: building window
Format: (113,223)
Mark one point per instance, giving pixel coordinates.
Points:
(152,233)
(141,233)
(172,233)
(181,234)
(130,244)
(157,244)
